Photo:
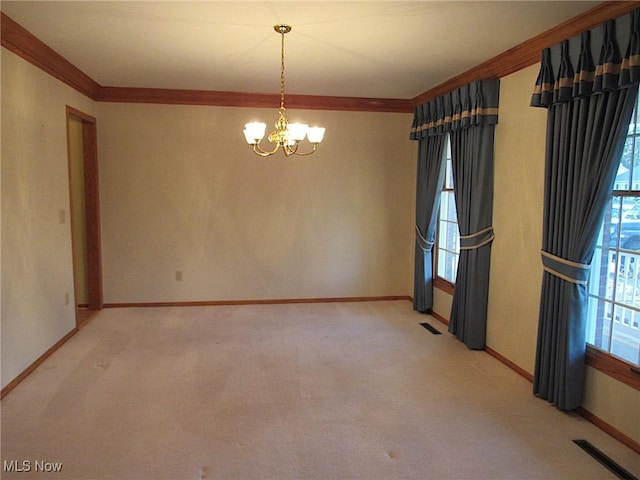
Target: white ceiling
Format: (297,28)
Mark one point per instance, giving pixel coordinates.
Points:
(381,49)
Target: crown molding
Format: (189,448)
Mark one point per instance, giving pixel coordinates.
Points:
(528,52)
(253,100)
(21,42)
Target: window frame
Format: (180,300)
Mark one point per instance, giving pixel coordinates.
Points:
(602,360)
(613,366)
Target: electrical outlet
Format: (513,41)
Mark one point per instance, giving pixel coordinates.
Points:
(62,216)
(66,298)
(178,275)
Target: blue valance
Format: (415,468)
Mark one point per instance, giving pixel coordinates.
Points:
(473,104)
(613,70)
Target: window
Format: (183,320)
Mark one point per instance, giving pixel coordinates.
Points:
(614,283)
(448,242)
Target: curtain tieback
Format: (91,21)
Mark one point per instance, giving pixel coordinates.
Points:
(477,240)
(423,243)
(573,272)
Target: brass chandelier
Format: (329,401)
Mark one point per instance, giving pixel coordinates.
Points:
(286,135)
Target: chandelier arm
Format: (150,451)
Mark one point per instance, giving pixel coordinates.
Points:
(290,149)
(264,153)
(315,146)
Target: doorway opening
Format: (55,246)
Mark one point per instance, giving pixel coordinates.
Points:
(85,213)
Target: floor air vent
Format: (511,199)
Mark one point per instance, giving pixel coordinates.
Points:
(430,328)
(604,460)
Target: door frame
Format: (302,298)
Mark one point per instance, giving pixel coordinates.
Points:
(92,206)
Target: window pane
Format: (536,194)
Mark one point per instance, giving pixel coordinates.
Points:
(627,280)
(608,236)
(452,237)
(448,182)
(602,274)
(453,266)
(452,213)
(444,205)
(442,236)
(449,265)
(635,172)
(600,240)
(630,224)
(599,326)
(624,171)
(441,264)
(625,340)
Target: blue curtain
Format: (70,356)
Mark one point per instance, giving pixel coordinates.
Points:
(589,109)
(469,115)
(472,161)
(429,185)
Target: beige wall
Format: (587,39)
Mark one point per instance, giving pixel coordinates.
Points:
(181,191)
(37,280)
(516,269)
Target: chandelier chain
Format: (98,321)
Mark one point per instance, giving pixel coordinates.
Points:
(282,70)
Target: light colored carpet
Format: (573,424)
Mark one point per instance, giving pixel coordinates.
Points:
(298,391)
